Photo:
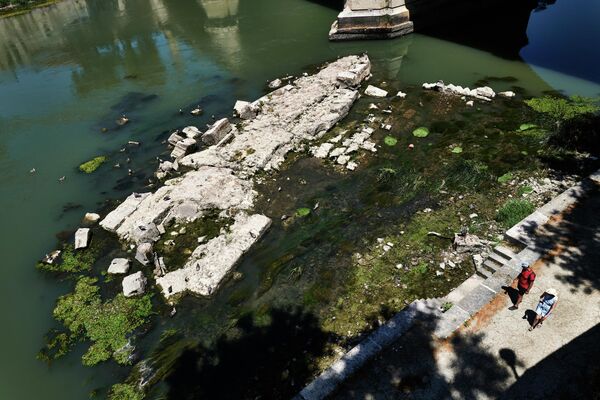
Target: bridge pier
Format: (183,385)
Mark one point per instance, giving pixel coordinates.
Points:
(371,19)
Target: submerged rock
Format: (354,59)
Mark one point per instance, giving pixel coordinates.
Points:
(509,94)
(91,218)
(274,84)
(375,91)
(82,238)
(134,284)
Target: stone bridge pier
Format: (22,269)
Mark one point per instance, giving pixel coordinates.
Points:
(371,19)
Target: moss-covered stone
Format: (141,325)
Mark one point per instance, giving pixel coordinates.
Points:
(71,260)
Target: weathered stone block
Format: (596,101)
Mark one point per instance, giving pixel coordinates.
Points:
(82,238)
(119,266)
(134,284)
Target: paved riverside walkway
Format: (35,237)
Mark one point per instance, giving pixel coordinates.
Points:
(494,355)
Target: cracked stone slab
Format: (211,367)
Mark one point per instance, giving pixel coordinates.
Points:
(212,261)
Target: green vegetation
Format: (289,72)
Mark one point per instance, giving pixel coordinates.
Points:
(526,127)
(303,211)
(524,190)
(563,109)
(385,175)
(90,166)
(507,177)
(514,211)
(72,261)
(390,140)
(457,150)
(421,132)
(447,306)
(125,391)
(107,325)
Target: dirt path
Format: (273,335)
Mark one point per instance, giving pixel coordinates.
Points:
(495,356)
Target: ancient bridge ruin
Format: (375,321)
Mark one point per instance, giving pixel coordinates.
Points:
(383,19)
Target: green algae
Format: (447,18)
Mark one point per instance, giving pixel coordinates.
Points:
(563,109)
(526,127)
(390,141)
(72,261)
(421,132)
(303,212)
(125,391)
(456,150)
(106,324)
(180,240)
(92,165)
(507,177)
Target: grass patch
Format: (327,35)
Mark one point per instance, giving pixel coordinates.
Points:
(514,211)
(90,166)
(107,325)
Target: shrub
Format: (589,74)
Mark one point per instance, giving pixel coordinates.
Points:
(514,211)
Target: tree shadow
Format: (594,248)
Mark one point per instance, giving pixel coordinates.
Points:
(271,359)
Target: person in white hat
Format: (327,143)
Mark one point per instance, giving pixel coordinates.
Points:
(548,301)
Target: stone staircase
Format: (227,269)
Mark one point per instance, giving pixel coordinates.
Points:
(500,256)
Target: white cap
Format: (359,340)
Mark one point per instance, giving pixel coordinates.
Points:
(552,291)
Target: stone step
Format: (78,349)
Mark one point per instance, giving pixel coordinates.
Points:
(496,259)
(491,266)
(484,273)
(504,252)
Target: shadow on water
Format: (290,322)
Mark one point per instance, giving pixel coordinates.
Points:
(499,27)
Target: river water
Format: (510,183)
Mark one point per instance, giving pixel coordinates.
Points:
(70,70)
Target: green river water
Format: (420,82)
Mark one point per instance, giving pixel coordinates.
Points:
(69,70)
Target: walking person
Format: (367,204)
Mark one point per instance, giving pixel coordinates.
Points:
(524,283)
(548,301)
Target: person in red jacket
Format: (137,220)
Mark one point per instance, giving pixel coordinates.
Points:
(524,283)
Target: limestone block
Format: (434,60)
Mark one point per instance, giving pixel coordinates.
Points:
(245,109)
(82,238)
(116,217)
(134,284)
(212,261)
(91,217)
(191,132)
(216,132)
(174,138)
(119,266)
(143,253)
(183,147)
(375,91)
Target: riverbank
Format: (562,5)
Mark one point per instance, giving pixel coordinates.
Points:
(422,162)
(11,9)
